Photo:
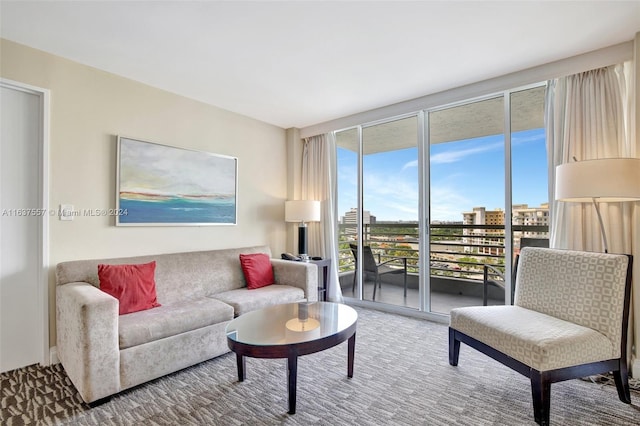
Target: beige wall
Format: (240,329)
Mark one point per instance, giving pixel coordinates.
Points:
(89,108)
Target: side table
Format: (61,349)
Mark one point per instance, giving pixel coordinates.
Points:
(323,277)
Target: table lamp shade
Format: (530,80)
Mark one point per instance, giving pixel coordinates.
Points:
(606,180)
(302,211)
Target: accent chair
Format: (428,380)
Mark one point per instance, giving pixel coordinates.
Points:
(569,320)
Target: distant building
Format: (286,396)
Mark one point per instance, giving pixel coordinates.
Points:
(351,218)
(491,241)
(486,241)
(524,215)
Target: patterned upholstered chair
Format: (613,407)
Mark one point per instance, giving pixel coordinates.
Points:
(493,275)
(569,320)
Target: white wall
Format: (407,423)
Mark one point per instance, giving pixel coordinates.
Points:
(89,108)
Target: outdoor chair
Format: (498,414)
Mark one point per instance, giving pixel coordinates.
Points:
(377,268)
(495,276)
(569,320)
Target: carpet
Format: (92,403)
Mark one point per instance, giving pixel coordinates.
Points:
(401,377)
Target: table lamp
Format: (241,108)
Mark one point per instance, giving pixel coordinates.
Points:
(603,180)
(302,211)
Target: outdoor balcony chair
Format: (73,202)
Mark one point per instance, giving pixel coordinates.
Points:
(495,276)
(377,268)
(569,320)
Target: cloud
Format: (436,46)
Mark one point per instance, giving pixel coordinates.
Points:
(410,164)
(460,154)
(518,139)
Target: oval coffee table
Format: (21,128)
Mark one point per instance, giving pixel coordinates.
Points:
(289,331)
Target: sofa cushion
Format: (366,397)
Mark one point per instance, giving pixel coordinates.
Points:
(133,285)
(171,319)
(244,300)
(206,272)
(533,338)
(257,270)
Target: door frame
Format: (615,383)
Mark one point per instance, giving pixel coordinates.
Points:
(43,197)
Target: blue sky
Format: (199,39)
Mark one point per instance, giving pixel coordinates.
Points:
(464,174)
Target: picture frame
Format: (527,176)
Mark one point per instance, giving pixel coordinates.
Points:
(162,185)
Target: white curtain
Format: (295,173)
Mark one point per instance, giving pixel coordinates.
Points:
(588,117)
(318,174)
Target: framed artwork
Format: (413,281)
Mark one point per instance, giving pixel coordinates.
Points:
(161,185)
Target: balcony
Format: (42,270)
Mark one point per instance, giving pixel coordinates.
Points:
(458,253)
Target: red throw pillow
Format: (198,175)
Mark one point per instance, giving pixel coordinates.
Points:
(257,270)
(133,285)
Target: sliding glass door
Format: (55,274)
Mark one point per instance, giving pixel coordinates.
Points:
(390,212)
(466,201)
(385,204)
(427,201)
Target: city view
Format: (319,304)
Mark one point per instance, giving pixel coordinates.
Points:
(463,173)
(458,248)
(462,166)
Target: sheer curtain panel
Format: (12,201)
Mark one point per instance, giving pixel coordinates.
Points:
(588,118)
(318,183)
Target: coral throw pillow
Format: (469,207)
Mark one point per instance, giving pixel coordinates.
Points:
(133,285)
(257,270)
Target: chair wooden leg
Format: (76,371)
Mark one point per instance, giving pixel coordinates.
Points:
(541,392)
(621,377)
(454,348)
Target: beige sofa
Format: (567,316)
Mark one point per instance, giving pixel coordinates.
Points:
(104,353)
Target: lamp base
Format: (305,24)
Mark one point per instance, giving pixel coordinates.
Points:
(302,241)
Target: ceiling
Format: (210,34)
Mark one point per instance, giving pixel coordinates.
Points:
(300,63)
(470,120)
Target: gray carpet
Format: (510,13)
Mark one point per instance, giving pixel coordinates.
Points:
(402,377)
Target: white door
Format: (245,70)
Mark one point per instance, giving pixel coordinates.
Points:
(22,330)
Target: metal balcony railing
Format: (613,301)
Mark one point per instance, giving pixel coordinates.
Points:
(457,250)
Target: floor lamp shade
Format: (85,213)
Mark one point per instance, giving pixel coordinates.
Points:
(606,180)
(302,211)
(594,181)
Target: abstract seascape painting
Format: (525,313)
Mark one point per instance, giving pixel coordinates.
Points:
(160,185)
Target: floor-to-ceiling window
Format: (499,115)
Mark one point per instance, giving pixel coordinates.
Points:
(485,174)
(466,199)
(387,210)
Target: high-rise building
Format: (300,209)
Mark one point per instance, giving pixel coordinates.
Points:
(352,217)
(537,217)
(531,216)
(486,240)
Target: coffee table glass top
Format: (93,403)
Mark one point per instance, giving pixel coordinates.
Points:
(291,323)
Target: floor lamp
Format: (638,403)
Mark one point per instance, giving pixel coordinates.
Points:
(302,211)
(599,181)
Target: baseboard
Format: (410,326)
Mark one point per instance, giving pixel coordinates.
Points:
(53,356)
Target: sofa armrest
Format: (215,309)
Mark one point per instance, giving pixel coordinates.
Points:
(87,339)
(303,275)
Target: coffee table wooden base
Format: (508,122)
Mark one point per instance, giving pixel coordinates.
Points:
(292,352)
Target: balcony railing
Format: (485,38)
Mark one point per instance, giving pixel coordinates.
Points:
(457,250)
